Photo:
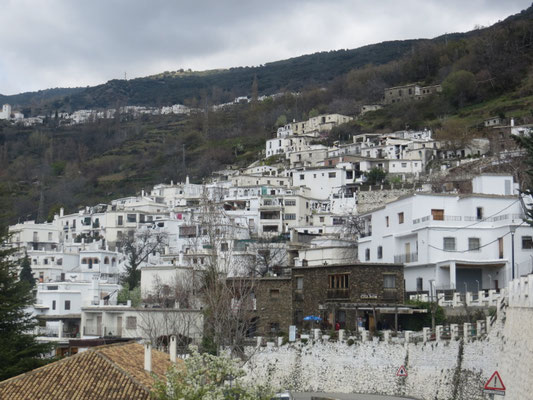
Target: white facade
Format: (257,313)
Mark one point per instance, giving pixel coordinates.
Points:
(6,112)
(141,323)
(324,181)
(455,241)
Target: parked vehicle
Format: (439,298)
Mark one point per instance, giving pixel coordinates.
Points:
(282,396)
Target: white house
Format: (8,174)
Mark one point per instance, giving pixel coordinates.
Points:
(6,112)
(452,241)
(324,181)
(141,323)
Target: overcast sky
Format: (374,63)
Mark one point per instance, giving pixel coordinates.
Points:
(67,43)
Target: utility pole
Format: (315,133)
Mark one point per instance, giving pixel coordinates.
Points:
(183,158)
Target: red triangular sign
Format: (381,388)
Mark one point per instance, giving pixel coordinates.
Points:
(495,382)
(401,371)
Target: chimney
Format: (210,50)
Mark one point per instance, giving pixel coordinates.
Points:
(148,357)
(61,212)
(173,348)
(512,121)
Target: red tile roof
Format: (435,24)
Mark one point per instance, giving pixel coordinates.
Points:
(108,372)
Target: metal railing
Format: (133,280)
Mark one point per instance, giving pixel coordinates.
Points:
(406,258)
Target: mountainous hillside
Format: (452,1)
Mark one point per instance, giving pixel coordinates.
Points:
(483,73)
(219,85)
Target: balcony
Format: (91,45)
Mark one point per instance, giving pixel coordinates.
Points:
(468,218)
(91,330)
(338,294)
(406,258)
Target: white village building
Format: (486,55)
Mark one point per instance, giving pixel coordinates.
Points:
(450,241)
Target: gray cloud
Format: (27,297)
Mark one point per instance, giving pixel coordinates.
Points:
(61,43)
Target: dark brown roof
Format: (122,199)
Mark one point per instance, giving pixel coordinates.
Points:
(106,372)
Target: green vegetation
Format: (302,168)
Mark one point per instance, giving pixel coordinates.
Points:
(204,376)
(126,294)
(25,272)
(375,175)
(484,73)
(19,352)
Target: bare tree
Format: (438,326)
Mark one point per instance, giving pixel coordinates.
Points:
(270,256)
(226,283)
(158,324)
(137,248)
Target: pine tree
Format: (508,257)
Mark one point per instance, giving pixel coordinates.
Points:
(19,352)
(26,275)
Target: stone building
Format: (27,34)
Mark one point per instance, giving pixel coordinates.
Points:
(274,305)
(352,294)
(412,91)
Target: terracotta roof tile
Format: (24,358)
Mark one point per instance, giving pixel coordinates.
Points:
(110,372)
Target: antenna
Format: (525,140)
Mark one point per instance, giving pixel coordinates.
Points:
(125,76)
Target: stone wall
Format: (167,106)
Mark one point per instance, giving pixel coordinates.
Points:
(447,370)
(274,305)
(369,200)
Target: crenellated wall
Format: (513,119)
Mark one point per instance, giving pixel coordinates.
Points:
(447,370)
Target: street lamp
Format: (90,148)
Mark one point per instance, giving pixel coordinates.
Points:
(513,230)
(477,285)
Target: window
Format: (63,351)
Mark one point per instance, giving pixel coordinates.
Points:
(349,174)
(438,215)
(321,219)
(290,202)
(473,244)
(131,322)
(387,221)
(527,242)
(274,327)
(120,220)
(299,283)
(380,252)
(338,221)
(367,254)
(223,247)
(53,304)
(419,284)
(50,236)
(67,304)
(289,216)
(449,244)
(479,212)
(132,217)
(274,293)
(404,165)
(389,281)
(338,281)
(400,218)
(298,317)
(332,175)
(500,247)
(302,177)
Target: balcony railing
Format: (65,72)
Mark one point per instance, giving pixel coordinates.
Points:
(468,218)
(338,293)
(406,258)
(92,330)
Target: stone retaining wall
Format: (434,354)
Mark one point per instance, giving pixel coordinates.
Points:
(447,370)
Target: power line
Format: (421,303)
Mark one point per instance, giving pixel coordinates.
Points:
(483,219)
(477,248)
